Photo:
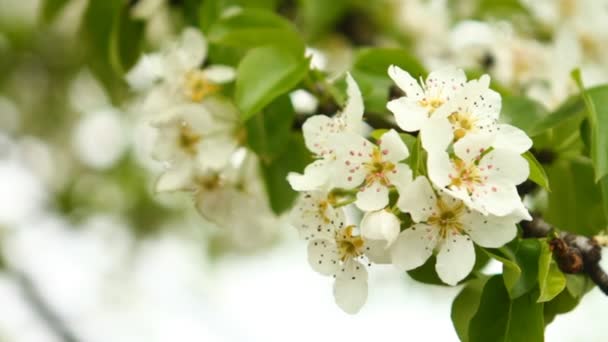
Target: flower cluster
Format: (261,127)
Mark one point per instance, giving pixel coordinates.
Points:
(198,137)
(465,193)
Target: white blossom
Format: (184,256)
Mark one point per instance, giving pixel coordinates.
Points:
(371,169)
(413,111)
(485,179)
(446,226)
(320,131)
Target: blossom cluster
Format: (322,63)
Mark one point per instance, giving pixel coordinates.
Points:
(198,137)
(465,193)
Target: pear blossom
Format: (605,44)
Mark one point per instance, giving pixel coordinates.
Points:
(473,110)
(342,253)
(174,76)
(484,178)
(446,226)
(371,169)
(414,110)
(314,213)
(320,132)
(190,135)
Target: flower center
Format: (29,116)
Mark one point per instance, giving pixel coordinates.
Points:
(467,175)
(378,169)
(462,123)
(431,104)
(349,246)
(197,86)
(208,182)
(447,219)
(188,139)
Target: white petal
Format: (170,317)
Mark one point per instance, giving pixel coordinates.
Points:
(315,176)
(418,199)
(177,178)
(472,146)
(353,110)
(489,231)
(505,166)
(377,251)
(352,151)
(192,47)
(215,152)
(436,134)
(147,70)
(314,218)
(400,177)
(512,138)
(317,130)
(406,82)
(444,83)
(323,256)
(410,116)
(350,287)
(372,197)
(392,147)
(219,73)
(380,225)
(455,259)
(413,247)
(498,198)
(439,168)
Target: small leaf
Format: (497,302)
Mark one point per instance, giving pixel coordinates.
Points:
(572,107)
(500,318)
(596,103)
(264,74)
(51,8)
(550,279)
(537,172)
(252,28)
(522,112)
(268,133)
(510,270)
(295,157)
(465,306)
(126,40)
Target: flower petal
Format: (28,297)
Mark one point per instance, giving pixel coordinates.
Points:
(377,251)
(177,178)
(315,176)
(313,217)
(351,151)
(380,225)
(413,247)
(489,231)
(439,168)
(406,82)
(418,199)
(392,147)
(472,146)
(353,110)
(350,287)
(219,73)
(317,130)
(498,198)
(400,177)
(323,256)
(436,134)
(455,259)
(512,138)
(372,197)
(410,116)
(505,166)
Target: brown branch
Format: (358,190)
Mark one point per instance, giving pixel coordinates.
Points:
(573,253)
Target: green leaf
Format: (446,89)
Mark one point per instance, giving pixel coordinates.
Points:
(371,72)
(577,286)
(550,279)
(126,40)
(319,16)
(503,8)
(211,10)
(268,133)
(522,112)
(252,28)
(572,107)
(575,201)
(537,172)
(465,306)
(596,103)
(295,157)
(264,74)
(510,270)
(499,318)
(51,8)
